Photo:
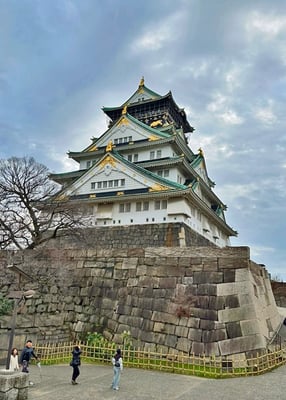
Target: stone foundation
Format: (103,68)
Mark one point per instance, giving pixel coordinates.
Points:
(13,385)
(201,300)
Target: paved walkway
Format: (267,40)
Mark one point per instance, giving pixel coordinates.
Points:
(53,383)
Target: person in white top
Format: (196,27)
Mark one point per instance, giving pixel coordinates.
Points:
(117,368)
(14,363)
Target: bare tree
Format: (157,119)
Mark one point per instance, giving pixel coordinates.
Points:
(30,211)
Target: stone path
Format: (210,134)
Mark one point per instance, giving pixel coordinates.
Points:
(53,383)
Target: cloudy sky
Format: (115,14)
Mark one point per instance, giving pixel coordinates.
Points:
(223,60)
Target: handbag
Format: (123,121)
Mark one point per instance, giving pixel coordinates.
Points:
(71,363)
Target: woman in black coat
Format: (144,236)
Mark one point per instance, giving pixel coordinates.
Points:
(75,363)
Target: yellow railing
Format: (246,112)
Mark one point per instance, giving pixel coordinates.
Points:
(213,367)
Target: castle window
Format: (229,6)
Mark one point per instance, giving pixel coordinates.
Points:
(129,157)
(166,172)
(99,185)
(92,185)
(157,205)
(124,207)
(110,183)
(88,164)
(135,157)
(122,181)
(152,155)
(164,204)
(159,154)
(115,182)
(104,184)
(160,205)
(145,205)
(115,141)
(160,172)
(138,206)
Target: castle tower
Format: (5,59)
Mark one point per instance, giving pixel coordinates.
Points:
(141,171)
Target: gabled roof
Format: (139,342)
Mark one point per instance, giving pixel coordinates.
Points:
(126,120)
(142,92)
(143,96)
(112,158)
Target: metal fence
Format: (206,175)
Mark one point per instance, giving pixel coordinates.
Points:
(212,367)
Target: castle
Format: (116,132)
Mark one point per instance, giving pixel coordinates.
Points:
(141,171)
(156,258)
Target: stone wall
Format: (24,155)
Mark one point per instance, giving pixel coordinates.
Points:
(175,299)
(134,236)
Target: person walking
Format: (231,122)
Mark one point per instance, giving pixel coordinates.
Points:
(26,355)
(14,362)
(117,363)
(75,363)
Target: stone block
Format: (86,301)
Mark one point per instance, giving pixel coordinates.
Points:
(159,327)
(130,263)
(208,277)
(181,331)
(136,252)
(210,264)
(231,301)
(202,301)
(13,385)
(193,322)
(169,329)
(216,303)
(229,275)
(233,262)
(146,303)
(237,314)
(242,274)
(159,304)
(205,324)
(184,345)
(197,348)
(184,261)
(204,314)
(242,344)
(225,289)
(250,327)
(233,330)
(164,317)
(211,349)
(195,335)
(207,289)
(166,283)
(148,325)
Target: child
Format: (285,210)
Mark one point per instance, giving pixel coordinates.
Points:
(117,368)
(14,363)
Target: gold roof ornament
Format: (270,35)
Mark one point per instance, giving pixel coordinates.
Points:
(151,138)
(109,146)
(141,82)
(107,160)
(93,148)
(158,122)
(201,153)
(124,110)
(157,188)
